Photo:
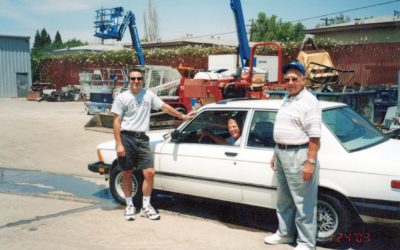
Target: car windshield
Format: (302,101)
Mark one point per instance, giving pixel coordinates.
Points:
(352,130)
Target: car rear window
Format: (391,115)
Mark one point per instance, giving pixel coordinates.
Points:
(351,129)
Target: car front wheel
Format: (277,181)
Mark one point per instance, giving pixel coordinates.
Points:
(333,218)
(116,186)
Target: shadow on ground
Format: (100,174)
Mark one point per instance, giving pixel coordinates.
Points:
(362,236)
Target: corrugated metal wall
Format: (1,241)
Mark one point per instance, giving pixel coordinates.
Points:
(15,66)
(62,73)
(372,63)
(376,63)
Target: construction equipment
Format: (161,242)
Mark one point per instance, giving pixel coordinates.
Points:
(321,75)
(108,26)
(100,84)
(327,82)
(333,84)
(244,48)
(210,87)
(201,90)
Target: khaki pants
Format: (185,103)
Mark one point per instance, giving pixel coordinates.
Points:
(296,198)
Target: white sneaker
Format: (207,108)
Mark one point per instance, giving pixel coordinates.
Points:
(129,213)
(276,239)
(301,246)
(150,212)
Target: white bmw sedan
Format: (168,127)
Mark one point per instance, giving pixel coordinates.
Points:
(359,166)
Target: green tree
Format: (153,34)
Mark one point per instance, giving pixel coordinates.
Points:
(45,39)
(36,43)
(42,48)
(42,39)
(57,39)
(273,29)
(73,43)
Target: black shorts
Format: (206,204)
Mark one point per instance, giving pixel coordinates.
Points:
(137,152)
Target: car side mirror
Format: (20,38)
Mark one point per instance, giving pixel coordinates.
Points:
(175,135)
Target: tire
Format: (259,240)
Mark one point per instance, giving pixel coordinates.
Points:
(116,186)
(230,91)
(333,217)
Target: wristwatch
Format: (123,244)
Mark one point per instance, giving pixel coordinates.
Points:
(312,161)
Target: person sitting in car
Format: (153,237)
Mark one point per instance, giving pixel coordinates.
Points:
(234,129)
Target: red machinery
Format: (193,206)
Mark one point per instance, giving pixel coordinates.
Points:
(244,85)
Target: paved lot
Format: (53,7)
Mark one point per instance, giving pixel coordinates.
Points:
(50,200)
(47,136)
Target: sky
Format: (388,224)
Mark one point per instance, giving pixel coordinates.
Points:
(176,18)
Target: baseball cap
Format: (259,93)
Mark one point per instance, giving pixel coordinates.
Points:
(293,65)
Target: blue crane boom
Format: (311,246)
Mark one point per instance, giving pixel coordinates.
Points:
(107,26)
(244,48)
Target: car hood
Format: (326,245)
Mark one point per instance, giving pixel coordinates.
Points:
(155,136)
(383,159)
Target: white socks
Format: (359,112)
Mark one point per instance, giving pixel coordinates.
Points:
(129,201)
(146,201)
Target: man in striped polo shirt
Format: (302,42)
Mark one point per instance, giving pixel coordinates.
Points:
(297,133)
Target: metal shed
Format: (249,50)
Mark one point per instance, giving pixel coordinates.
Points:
(15,66)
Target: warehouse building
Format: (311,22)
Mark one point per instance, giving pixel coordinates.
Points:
(15,66)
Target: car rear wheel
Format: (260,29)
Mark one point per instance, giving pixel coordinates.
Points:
(116,186)
(333,218)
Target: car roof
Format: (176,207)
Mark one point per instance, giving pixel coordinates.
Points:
(262,104)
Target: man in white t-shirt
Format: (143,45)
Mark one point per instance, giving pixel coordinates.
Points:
(131,111)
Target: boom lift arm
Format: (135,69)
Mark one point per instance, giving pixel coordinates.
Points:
(107,26)
(244,48)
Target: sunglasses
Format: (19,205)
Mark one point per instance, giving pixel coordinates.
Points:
(294,79)
(136,78)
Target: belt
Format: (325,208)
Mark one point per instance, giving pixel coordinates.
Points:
(285,146)
(134,133)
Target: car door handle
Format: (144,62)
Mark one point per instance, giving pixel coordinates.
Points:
(230,154)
